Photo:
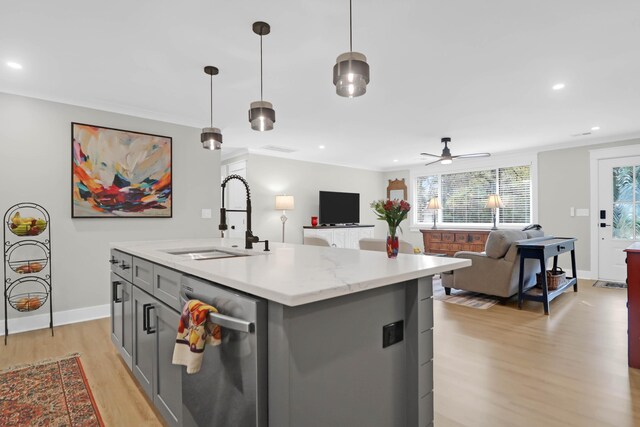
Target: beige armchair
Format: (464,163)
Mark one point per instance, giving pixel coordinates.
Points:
(316,241)
(381,245)
(496,271)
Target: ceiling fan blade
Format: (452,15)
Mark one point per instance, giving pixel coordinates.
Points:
(427,154)
(435,161)
(462,156)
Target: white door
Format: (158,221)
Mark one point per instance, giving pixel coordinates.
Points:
(618,214)
(236,198)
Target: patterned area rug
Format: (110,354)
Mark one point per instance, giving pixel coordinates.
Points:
(612,285)
(465,298)
(48,393)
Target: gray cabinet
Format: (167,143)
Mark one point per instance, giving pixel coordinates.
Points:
(143,274)
(145,310)
(121,319)
(166,286)
(143,340)
(167,380)
(121,264)
(155,327)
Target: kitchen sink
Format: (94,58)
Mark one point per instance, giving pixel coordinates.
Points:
(204,254)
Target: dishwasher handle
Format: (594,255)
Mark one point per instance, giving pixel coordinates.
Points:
(224,321)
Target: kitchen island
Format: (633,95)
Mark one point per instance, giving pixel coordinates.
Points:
(346,337)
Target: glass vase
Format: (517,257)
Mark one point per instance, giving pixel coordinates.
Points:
(392,246)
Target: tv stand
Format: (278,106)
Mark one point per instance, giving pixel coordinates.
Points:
(340,235)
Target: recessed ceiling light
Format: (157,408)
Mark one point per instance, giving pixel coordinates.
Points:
(14,65)
(395,160)
(321,147)
(558,86)
(595,128)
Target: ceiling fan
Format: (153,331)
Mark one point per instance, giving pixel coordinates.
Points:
(446,158)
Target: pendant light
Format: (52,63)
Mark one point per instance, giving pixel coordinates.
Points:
(351,72)
(261,113)
(211,137)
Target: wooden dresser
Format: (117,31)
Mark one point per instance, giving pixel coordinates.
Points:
(633,303)
(449,241)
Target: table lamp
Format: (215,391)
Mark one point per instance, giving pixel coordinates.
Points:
(434,204)
(284,203)
(494,202)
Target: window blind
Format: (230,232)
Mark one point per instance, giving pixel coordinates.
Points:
(514,187)
(464,195)
(427,187)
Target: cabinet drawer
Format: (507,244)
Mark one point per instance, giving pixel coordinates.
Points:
(122,264)
(166,286)
(478,238)
(425,341)
(435,237)
(462,237)
(143,274)
(448,237)
(425,379)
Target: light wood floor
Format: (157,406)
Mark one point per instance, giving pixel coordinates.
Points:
(506,367)
(120,402)
(495,367)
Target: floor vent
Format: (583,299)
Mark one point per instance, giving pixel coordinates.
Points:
(278,149)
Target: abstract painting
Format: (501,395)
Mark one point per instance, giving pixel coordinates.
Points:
(119,173)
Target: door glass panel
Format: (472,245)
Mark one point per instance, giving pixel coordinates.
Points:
(623,221)
(623,184)
(637,221)
(637,182)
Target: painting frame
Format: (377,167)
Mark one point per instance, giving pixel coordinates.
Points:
(150,198)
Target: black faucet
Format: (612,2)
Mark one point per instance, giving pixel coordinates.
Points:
(250,239)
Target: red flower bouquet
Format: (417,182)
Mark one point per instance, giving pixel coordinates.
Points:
(393,212)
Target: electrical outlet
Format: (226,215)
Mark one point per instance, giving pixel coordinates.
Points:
(392,333)
(206,214)
(572,211)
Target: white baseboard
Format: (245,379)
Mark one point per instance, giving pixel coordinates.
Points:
(582,274)
(585,274)
(41,321)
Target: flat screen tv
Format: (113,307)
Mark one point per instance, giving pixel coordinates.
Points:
(339,208)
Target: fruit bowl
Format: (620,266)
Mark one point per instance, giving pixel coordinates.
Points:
(26,226)
(29,301)
(28,267)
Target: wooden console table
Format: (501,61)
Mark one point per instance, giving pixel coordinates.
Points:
(633,303)
(543,249)
(450,241)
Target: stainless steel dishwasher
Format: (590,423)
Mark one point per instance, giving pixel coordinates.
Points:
(231,388)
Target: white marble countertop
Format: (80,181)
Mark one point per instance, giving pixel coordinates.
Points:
(292,274)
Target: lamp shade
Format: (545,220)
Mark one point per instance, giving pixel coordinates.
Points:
(284,203)
(434,203)
(262,116)
(494,201)
(351,74)
(211,138)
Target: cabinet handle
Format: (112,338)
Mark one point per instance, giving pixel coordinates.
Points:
(114,290)
(113,260)
(146,320)
(124,266)
(144,317)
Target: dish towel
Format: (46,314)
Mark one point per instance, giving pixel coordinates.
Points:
(194,332)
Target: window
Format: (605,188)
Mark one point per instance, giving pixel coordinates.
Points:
(626,195)
(463,196)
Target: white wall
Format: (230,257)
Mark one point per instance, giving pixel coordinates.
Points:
(564,182)
(269,176)
(35,165)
